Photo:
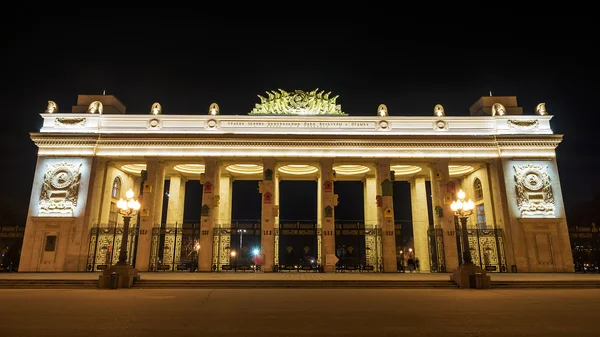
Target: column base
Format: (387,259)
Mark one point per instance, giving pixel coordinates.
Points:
(470,276)
(118,276)
(328,269)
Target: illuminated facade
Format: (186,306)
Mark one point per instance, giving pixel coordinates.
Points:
(502,158)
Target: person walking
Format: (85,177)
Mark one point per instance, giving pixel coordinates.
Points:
(411,264)
(417,265)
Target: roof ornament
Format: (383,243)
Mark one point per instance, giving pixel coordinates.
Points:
(52,107)
(156,109)
(213,109)
(297,103)
(540,109)
(498,109)
(438,110)
(382,110)
(95,107)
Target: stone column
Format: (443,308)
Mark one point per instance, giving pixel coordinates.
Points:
(96,192)
(225,195)
(327,216)
(94,206)
(270,209)
(441,198)
(151,213)
(209,213)
(420,221)
(222,240)
(276,219)
(386,217)
(372,248)
(176,201)
(173,236)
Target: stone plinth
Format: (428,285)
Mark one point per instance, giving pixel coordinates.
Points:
(470,276)
(125,275)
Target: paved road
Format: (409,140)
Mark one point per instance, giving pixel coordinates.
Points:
(299,312)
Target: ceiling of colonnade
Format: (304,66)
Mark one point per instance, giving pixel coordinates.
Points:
(298,170)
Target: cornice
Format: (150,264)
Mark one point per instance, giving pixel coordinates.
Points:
(302,141)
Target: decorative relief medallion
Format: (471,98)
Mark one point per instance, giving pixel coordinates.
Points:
(154,124)
(523,125)
(297,103)
(534,192)
(60,188)
(211,124)
(69,122)
(384,125)
(440,126)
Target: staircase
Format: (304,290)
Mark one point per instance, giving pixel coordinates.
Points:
(48,284)
(269,284)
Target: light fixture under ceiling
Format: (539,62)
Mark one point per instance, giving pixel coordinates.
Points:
(351,169)
(298,169)
(455,170)
(400,170)
(133,168)
(245,168)
(190,168)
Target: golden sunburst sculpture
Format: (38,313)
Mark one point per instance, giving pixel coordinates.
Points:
(297,103)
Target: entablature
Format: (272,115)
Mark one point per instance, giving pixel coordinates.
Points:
(334,146)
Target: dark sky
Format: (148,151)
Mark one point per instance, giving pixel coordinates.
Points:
(187,59)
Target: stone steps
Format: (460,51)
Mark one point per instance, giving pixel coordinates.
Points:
(48,284)
(296,284)
(322,284)
(546,284)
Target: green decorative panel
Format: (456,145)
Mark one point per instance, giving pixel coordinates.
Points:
(268,174)
(328,212)
(387,188)
(205,210)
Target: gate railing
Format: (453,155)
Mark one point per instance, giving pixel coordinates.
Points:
(105,244)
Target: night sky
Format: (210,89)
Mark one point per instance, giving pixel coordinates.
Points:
(187,60)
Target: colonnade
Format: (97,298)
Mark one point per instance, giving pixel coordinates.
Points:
(216,210)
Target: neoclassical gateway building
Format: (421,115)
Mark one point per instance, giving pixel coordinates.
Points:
(501,157)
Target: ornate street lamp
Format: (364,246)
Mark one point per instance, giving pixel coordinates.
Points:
(127,208)
(233,254)
(195,254)
(463,209)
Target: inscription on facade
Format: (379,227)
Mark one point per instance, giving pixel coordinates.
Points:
(299,124)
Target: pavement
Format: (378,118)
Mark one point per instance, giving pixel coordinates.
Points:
(276,312)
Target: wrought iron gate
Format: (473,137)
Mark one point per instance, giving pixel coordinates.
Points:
(298,246)
(235,245)
(487,248)
(105,244)
(175,248)
(436,250)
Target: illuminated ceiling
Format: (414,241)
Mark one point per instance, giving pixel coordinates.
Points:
(251,171)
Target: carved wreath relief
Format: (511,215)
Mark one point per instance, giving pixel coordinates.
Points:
(60,188)
(534,192)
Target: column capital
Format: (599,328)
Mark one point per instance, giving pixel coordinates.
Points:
(440,161)
(384,161)
(326,162)
(268,162)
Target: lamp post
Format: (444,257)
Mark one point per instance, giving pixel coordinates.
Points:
(122,274)
(195,257)
(127,208)
(463,209)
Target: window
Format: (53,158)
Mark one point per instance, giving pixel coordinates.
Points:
(481,216)
(50,245)
(116,188)
(477,189)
